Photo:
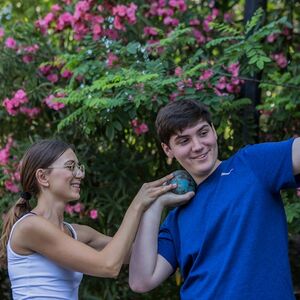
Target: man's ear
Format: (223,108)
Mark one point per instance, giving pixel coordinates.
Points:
(214,130)
(167,150)
(42,177)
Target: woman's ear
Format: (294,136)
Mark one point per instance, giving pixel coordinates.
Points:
(42,177)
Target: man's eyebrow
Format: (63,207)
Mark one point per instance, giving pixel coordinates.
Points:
(179,136)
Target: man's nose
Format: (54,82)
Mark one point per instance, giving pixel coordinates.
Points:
(197,144)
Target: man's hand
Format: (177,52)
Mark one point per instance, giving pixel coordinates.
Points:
(172,200)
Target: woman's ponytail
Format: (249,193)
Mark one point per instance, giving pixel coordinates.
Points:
(20,208)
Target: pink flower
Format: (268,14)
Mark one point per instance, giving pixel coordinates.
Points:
(233,89)
(53,105)
(180,85)
(66,74)
(112,59)
(118,24)
(16,176)
(178,71)
(131,10)
(10,107)
(207,74)
(45,69)
(30,112)
(228,17)
(94,214)
(134,123)
(49,18)
(171,21)
(80,30)
(97,30)
(64,20)
(4,155)
(69,209)
(52,78)
(55,8)
(180,4)
(188,82)
(31,49)
(27,59)
(199,86)
(10,43)
(234,69)
(143,128)
(221,83)
(120,10)
(21,96)
(298,192)
(218,93)
(150,31)
(78,207)
(272,37)
(173,96)
(10,186)
(200,38)
(194,22)
(2,32)
(139,128)
(215,13)
(280,59)
(287,32)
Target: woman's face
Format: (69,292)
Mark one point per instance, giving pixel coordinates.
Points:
(65,177)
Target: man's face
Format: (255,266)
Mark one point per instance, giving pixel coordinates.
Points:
(196,149)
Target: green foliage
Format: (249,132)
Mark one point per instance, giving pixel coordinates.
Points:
(106,95)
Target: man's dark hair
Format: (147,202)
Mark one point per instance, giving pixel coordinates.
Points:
(178,115)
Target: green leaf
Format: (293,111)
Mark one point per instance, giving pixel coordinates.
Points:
(117,125)
(133,47)
(260,64)
(110,132)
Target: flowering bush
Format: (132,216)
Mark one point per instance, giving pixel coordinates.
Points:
(95,73)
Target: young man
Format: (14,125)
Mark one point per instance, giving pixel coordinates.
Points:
(230,241)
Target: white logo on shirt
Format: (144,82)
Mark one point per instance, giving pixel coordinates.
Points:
(226,173)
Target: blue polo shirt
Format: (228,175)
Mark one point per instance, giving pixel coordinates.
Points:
(230,241)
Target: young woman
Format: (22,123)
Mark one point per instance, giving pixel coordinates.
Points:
(47,256)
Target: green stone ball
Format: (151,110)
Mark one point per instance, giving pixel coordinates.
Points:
(185,182)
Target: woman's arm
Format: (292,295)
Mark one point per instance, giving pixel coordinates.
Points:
(148,269)
(45,238)
(91,237)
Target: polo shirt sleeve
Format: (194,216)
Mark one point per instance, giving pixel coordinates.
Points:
(272,163)
(166,247)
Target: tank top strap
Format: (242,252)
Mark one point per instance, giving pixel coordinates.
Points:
(71,229)
(19,220)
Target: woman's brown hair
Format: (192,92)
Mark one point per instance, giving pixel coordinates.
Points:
(39,156)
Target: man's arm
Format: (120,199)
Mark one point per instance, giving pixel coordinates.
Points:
(296,156)
(148,269)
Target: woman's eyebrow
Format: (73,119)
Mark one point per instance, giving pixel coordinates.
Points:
(70,161)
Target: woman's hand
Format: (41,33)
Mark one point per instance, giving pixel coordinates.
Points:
(172,200)
(150,191)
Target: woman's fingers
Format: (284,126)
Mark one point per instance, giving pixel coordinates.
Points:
(161,181)
(163,189)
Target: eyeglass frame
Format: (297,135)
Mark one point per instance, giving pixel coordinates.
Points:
(76,168)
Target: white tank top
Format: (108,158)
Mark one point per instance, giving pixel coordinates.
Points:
(36,277)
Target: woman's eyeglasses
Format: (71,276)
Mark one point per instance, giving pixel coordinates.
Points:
(75,168)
